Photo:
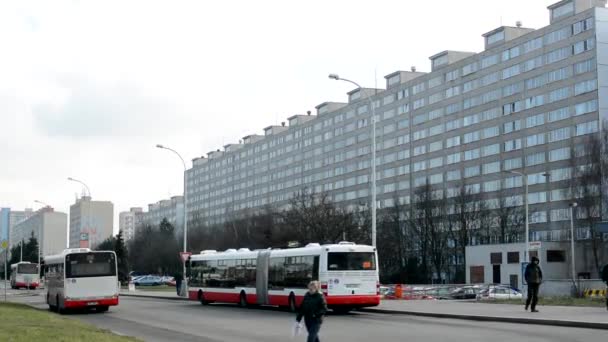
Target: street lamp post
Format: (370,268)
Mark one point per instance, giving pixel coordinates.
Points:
(81,182)
(373,173)
(572,266)
(185,284)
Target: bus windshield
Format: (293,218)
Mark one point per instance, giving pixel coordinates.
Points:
(27,268)
(90,265)
(351,261)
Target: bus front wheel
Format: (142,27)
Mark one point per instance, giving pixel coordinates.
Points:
(292,303)
(243,300)
(102,308)
(51,306)
(60,308)
(201,298)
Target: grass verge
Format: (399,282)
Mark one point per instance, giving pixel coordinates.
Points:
(555,301)
(21,323)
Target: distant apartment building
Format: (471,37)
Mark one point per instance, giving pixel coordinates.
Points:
(9,218)
(172,209)
(522,104)
(128,221)
(49,227)
(91,222)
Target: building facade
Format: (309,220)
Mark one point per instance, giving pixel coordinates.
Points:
(49,227)
(521,105)
(91,222)
(128,220)
(171,209)
(9,219)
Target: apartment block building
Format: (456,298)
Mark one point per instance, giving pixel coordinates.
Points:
(172,209)
(48,226)
(91,222)
(128,221)
(522,104)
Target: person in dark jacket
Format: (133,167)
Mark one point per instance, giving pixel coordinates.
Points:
(605,279)
(313,308)
(179,278)
(534,276)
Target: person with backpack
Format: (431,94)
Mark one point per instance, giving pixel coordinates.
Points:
(313,308)
(534,277)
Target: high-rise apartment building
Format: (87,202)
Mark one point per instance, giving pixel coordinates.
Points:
(172,209)
(9,218)
(520,105)
(128,221)
(49,227)
(91,222)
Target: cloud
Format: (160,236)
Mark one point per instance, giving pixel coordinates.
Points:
(88,109)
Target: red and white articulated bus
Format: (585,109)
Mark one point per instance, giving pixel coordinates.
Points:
(279,277)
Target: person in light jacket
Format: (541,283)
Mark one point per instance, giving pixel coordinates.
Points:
(534,277)
(313,308)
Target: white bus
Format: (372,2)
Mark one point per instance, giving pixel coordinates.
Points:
(25,274)
(347,272)
(81,278)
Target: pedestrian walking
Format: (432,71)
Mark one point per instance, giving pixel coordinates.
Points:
(313,308)
(534,277)
(605,279)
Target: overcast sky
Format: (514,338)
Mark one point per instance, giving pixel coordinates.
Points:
(87,88)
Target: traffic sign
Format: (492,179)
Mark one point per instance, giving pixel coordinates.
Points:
(4,244)
(185,255)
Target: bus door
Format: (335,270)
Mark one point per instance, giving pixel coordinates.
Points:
(261,278)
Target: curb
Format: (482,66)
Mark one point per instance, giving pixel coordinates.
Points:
(152,296)
(517,320)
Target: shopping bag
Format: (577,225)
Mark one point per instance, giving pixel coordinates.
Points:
(296,330)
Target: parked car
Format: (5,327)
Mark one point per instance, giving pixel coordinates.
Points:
(148,280)
(466,292)
(166,280)
(499,292)
(440,293)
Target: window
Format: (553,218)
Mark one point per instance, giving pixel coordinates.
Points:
(536,82)
(489,61)
(453,141)
(436,162)
(452,175)
(535,159)
(420,166)
(512,89)
(452,125)
(491,186)
(436,179)
(559,114)
(420,134)
(582,26)
(491,132)
(538,217)
(471,154)
(513,182)
(562,10)
(559,154)
(471,137)
(532,45)
(435,146)
(388,99)
(560,214)
(561,174)
(559,94)
(468,69)
(582,46)
(471,171)
(452,75)
(351,261)
(451,92)
(533,63)
(585,87)
(510,164)
(558,35)
(491,167)
(558,55)
(585,107)
(404,123)
(537,197)
(534,101)
(586,128)
(471,120)
(584,66)
(536,120)
(418,119)
(511,71)
(512,145)
(453,158)
(510,53)
(512,126)
(491,150)
(404,108)
(536,139)
(418,103)
(418,150)
(472,188)
(496,258)
(558,75)
(536,178)
(403,93)
(418,88)
(559,195)
(434,98)
(556,256)
(512,257)
(559,134)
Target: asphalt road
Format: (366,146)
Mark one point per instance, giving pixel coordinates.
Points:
(165,320)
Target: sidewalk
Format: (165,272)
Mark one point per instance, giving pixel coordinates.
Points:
(572,316)
(565,316)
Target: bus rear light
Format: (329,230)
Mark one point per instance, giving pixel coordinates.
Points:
(324,288)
